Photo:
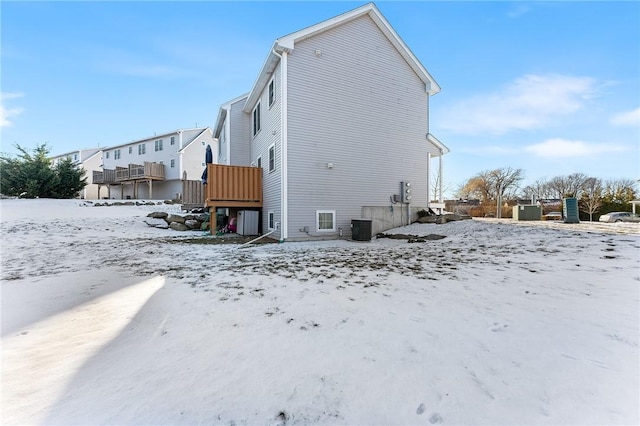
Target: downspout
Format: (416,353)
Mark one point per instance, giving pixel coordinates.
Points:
(284,191)
(227,137)
(440,176)
(180,170)
(428,185)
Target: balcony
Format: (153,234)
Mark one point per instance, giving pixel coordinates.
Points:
(233,186)
(131,174)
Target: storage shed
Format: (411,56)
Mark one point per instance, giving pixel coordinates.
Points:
(527,212)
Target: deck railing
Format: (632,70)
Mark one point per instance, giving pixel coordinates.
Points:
(104,176)
(233,186)
(122,173)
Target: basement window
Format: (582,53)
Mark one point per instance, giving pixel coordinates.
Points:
(325,220)
(271,219)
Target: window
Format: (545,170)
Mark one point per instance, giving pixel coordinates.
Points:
(159,145)
(130,150)
(116,154)
(75,157)
(173,140)
(272,92)
(325,220)
(142,149)
(272,158)
(271,223)
(259,162)
(107,154)
(256,119)
(173,163)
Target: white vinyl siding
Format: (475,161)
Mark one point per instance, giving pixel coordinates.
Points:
(368,118)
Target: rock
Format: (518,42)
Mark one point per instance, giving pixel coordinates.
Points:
(427,219)
(156,223)
(177,226)
(174,218)
(192,224)
(158,215)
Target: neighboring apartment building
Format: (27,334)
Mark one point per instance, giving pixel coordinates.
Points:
(337,118)
(88,160)
(154,167)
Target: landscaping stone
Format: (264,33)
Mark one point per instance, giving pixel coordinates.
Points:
(177,226)
(158,215)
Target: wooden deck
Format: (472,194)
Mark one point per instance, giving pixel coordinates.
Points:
(133,174)
(233,186)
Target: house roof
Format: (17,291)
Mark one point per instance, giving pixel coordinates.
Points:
(443,148)
(186,145)
(157,136)
(222,114)
(288,42)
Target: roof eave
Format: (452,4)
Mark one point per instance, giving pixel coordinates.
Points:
(442,147)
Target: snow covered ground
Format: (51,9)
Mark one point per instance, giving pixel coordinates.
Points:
(108,321)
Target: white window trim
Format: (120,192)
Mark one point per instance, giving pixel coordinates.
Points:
(256,125)
(271,214)
(271,101)
(333,228)
(259,161)
(272,146)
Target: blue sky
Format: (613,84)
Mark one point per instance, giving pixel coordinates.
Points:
(549,87)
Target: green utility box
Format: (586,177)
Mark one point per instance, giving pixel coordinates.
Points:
(527,212)
(570,207)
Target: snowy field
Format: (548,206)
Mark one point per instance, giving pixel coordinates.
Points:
(108,321)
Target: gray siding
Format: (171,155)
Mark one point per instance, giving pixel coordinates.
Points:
(270,134)
(239,135)
(359,106)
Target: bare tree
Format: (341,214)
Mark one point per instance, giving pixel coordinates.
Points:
(493,184)
(619,191)
(437,184)
(591,199)
(568,186)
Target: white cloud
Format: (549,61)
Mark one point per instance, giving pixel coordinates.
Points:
(628,118)
(518,11)
(564,148)
(6,114)
(530,102)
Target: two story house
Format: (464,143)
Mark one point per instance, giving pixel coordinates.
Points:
(338,124)
(154,167)
(88,160)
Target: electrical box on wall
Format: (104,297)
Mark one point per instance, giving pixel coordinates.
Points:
(405,192)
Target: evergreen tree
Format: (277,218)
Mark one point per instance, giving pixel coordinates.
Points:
(70,179)
(31,175)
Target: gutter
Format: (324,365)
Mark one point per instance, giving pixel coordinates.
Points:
(284,189)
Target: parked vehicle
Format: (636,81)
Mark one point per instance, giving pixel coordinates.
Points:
(632,218)
(614,217)
(553,216)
